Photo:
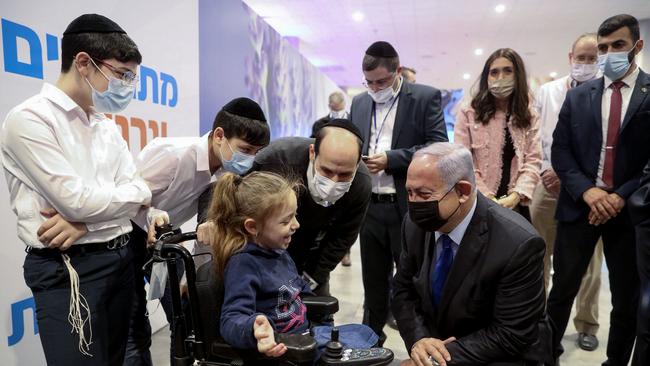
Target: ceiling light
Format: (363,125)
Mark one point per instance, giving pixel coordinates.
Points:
(553,74)
(358,16)
(466,76)
(478,51)
(500,8)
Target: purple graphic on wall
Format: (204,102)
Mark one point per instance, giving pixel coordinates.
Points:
(241,55)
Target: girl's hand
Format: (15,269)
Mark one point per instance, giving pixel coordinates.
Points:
(263,332)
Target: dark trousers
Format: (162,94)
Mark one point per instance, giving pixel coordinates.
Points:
(642,348)
(574,247)
(139,338)
(106,282)
(380,239)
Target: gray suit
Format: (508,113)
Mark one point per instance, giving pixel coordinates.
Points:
(418,122)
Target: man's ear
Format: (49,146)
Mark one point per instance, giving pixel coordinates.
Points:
(464,190)
(83,64)
(218,135)
(251,227)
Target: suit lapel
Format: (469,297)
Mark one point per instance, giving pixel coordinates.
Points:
(640,92)
(368,106)
(425,273)
(469,250)
(403,107)
(596,105)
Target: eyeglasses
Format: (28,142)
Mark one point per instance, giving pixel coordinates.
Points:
(381,83)
(126,77)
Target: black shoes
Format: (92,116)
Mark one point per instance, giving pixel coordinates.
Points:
(587,342)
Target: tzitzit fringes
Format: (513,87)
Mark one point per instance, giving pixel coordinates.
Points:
(78,304)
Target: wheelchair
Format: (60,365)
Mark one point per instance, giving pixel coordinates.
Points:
(196,319)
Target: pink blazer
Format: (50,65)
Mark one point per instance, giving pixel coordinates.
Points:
(486,144)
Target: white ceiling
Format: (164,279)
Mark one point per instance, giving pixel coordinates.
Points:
(438,37)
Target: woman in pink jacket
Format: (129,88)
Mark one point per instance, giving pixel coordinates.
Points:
(502,131)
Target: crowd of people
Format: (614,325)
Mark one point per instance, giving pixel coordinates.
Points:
(457,240)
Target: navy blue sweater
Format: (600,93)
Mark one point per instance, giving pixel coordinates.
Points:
(261,281)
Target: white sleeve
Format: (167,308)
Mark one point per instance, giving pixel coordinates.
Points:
(41,164)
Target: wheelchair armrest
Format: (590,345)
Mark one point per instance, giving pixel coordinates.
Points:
(321,305)
(301,349)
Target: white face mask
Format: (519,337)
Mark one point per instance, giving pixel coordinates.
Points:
(384,95)
(584,72)
(337,114)
(324,190)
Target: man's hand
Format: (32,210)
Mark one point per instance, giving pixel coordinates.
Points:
(551,182)
(433,347)
(510,201)
(57,232)
(263,332)
(205,233)
(616,201)
(377,162)
(155,218)
(599,202)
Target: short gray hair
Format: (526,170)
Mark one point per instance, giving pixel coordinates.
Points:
(453,161)
(583,36)
(336,98)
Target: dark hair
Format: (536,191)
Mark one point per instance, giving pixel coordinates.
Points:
(102,46)
(484,102)
(371,62)
(254,132)
(324,131)
(612,24)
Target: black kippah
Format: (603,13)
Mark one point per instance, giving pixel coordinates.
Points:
(381,49)
(245,107)
(345,124)
(93,23)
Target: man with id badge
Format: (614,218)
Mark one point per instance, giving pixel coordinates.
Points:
(395,119)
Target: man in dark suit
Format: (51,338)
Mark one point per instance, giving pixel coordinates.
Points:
(469,288)
(639,206)
(395,119)
(600,145)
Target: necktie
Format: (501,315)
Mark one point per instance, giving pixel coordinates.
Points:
(441,269)
(613,126)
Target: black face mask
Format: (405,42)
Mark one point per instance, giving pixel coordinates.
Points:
(426,214)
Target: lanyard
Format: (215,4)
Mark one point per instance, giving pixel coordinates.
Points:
(374,119)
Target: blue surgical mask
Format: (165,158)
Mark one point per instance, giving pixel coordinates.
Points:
(239,164)
(115,99)
(615,64)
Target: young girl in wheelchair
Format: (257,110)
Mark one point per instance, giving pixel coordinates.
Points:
(253,219)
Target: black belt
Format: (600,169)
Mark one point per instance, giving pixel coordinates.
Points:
(113,244)
(384,197)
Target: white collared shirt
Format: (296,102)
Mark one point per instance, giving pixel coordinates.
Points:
(383,183)
(177,170)
(457,234)
(626,93)
(548,102)
(56,156)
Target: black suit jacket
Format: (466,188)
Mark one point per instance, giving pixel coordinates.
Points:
(418,122)
(493,301)
(578,138)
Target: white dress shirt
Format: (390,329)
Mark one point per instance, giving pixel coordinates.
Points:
(548,102)
(56,156)
(177,170)
(383,123)
(626,93)
(457,234)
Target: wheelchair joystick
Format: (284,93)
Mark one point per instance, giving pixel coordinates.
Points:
(334,348)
